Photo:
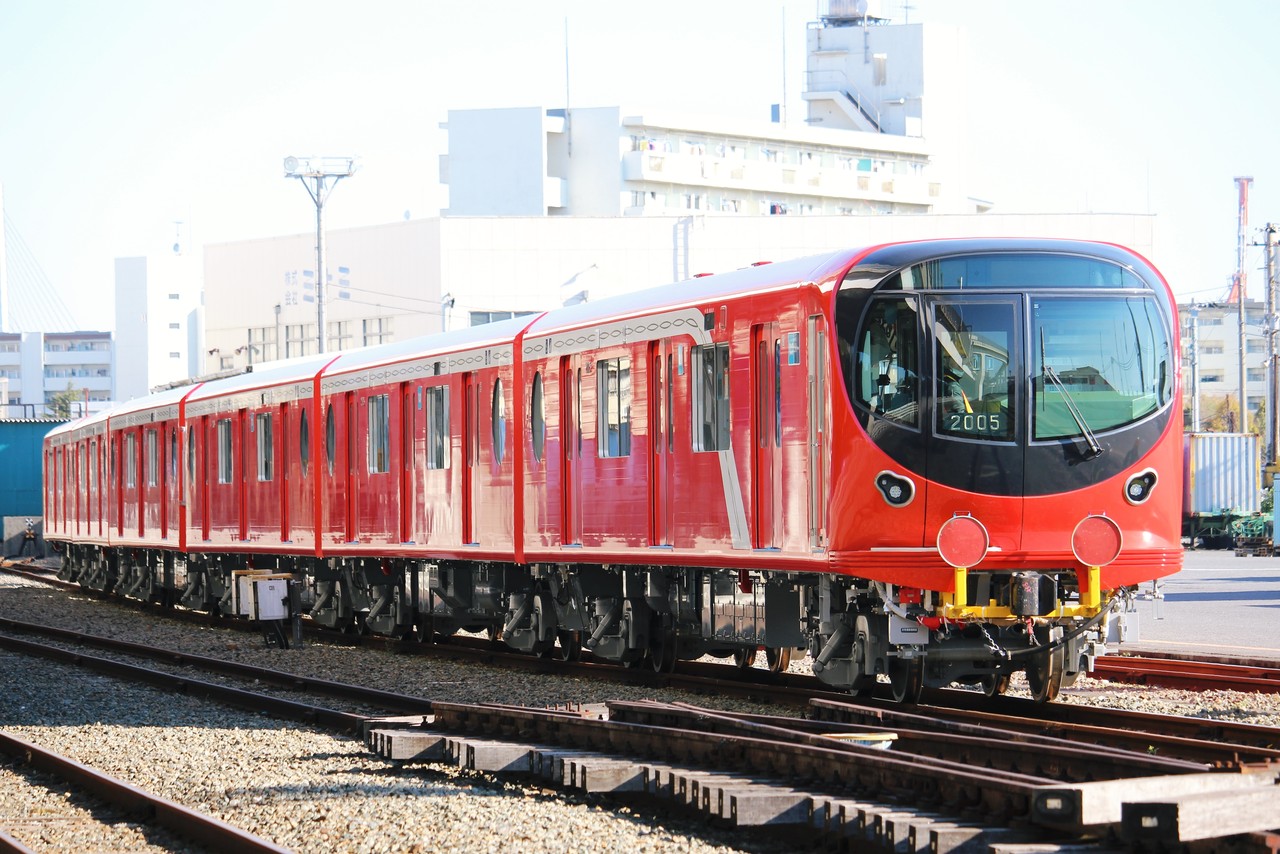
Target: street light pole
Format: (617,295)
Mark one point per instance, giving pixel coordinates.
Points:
(318,170)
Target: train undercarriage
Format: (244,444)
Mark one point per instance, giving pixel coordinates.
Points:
(642,616)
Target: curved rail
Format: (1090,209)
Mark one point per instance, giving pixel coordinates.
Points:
(188,823)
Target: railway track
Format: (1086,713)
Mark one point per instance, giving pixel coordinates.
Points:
(1192,675)
(135,803)
(818,775)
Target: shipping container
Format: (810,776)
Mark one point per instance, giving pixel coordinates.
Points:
(1221,474)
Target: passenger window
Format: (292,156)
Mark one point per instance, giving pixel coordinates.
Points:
(378,449)
(438,427)
(499,422)
(614,395)
(330,437)
(538,417)
(304,442)
(711,397)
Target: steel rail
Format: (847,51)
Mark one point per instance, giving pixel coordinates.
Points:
(1190,675)
(188,823)
(343,690)
(1131,733)
(1055,759)
(287,709)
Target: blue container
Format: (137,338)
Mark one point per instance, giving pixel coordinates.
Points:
(21,485)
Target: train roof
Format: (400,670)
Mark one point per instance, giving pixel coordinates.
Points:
(264,375)
(698,291)
(499,332)
(168,397)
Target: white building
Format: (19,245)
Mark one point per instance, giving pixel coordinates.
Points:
(44,358)
(1213,369)
(871,144)
(157,323)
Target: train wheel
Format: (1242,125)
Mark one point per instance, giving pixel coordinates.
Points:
(570,645)
(1044,672)
(778,658)
(994,686)
(743,659)
(662,649)
(906,678)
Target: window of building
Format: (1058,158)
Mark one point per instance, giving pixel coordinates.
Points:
(613,377)
(266,448)
(438,427)
(224,451)
(175,296)
(299,339)
(1213,349)
(151,440)
(379,440)
(340,335)
(711,397)
(175,325)
(1256,375)
(479,318)
(1255,346)
(1211,378)
(376,330)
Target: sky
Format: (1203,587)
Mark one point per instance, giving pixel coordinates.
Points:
(131,125)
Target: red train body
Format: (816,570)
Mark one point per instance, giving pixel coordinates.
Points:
(940,461)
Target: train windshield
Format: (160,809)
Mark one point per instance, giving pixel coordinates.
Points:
(1007,347)
(1108,358)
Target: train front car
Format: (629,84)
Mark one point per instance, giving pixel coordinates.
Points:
(1006,463)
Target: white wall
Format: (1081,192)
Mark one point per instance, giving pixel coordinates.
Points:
(155,298)
(496,162)
(392,271)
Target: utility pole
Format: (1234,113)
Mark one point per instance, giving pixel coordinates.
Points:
(1194,352)
(1273,354)
(318,170)
(1239,287)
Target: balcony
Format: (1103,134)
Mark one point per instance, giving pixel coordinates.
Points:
(772,177)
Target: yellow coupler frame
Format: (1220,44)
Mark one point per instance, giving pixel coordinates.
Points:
(953,607)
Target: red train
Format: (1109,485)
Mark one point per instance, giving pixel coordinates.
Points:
(943,461)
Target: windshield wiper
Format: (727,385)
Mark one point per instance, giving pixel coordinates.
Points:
(1095,450)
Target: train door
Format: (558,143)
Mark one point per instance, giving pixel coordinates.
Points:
(208,444)
(283,479)
(352,431)
(975,438)
(82,496)
(571,451)
(240,476)
(470,454)
(408,460)
(661,442)
(766,455)
(818,409)
(95,487)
